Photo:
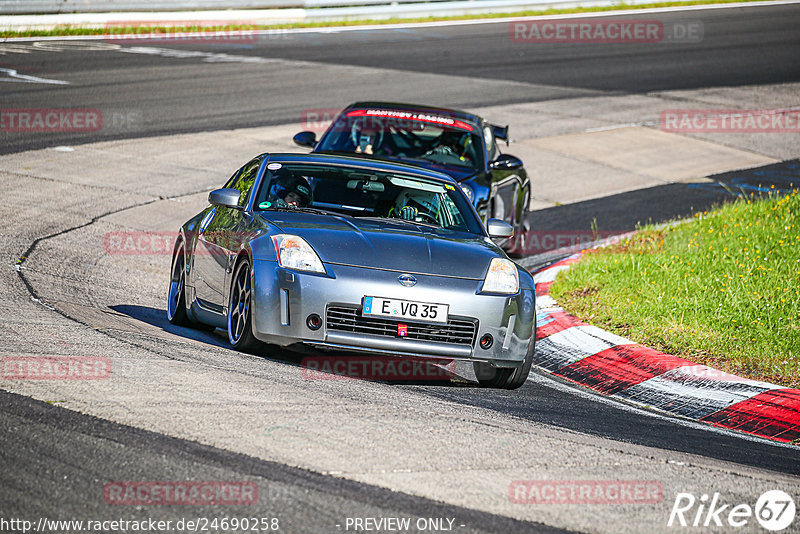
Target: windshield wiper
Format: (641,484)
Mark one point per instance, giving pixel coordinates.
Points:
(412,223)
(305,210)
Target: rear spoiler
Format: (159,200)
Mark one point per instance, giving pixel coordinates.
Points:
(500,132)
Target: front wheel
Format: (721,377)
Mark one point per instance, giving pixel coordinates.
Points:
(505,377)
(240,327)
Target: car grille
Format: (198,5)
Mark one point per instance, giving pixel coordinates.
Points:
(349,319)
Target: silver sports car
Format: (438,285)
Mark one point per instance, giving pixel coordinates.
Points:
(336,253)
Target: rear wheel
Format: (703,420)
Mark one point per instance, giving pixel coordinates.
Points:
(176,299)
(240,328)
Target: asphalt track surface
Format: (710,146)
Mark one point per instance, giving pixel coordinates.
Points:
(759,48)
(739,46)
(63,470)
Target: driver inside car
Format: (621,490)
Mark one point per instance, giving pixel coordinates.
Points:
(414,206)
(289,191)
(453,144)
(369,139)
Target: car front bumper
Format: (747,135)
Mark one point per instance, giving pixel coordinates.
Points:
(283,299)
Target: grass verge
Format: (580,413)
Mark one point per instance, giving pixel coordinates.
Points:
(721,290)
(117,29)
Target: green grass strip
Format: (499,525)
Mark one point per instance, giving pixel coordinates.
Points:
(722,290)
(117,28)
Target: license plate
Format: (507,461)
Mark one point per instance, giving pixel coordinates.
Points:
(406,309)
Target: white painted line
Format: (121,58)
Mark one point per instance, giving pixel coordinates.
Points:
(15,76)
(615,127)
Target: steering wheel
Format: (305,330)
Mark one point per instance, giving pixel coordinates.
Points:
(413,213)
(428,216)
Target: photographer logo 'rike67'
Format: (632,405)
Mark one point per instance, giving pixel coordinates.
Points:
(774,510)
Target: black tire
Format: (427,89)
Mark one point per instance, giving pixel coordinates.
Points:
(505,377)
(240,317)
(490,376)
(176,297)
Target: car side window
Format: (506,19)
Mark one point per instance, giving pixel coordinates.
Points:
(232,179)
(245,180)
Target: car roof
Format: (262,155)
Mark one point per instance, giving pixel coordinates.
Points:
(363,162)
(454,113)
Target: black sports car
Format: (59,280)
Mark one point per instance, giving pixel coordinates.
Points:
(457,143)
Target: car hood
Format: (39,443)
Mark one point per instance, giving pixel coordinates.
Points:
(387,244)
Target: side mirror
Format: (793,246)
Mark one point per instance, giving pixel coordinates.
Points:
(308,139)
(226,197)
(506,162)
(499,229)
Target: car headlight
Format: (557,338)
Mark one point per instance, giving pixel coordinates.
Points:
(502,277)
(295,253)
(469,192)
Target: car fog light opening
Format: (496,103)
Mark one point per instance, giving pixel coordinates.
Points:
(314,321)
(486,341)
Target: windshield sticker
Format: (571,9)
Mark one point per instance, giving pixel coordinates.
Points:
(450,187)
(411,116)
(265,205)
(274,166)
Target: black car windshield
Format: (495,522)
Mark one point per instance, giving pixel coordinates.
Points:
(405,135)
(360,192)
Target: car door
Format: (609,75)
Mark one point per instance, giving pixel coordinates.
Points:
(218,241)
(509,182)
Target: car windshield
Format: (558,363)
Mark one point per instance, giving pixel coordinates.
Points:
(408,136)
(360,192)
